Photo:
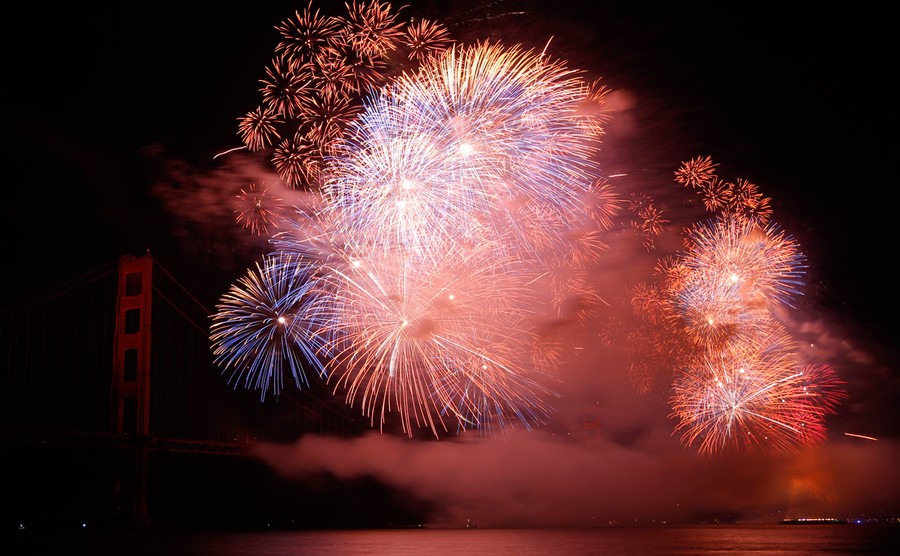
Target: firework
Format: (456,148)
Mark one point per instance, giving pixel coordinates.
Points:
(648,221)
(742,385)
(481,141)
(425,38)
(371,28)
(716,195)
(755,395)
(322,69)
(306,33)
(297,161)
(697,172)
(748,202)
(602,204)
(712,320)
(740,198)
(423,339)
(326,116)
(285,84)
(763,266)
(259,128)
(257,209)
(260,330)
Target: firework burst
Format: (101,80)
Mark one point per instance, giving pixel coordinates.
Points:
(425,338)
(259,332)
(764,266)
(257,209)
(425,38)
(259,128)
(306,33)
(754,395)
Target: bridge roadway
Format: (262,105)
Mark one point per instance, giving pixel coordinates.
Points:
(109,440)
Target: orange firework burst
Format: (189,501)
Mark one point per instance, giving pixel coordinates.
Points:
(257,209)
(425,38)
(322,68)
(697,172)
(306,33)
(740,198)
(259,128)
(371,28)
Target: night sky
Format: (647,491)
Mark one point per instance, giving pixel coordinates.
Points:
(108,107)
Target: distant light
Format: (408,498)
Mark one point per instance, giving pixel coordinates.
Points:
(466,149)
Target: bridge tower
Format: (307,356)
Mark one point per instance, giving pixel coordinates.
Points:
(130,396)
(590,425)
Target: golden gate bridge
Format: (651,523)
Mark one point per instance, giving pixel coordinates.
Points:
(117,363)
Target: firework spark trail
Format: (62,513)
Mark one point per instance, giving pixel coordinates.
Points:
(863,436)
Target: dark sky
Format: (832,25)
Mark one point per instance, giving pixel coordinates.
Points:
(106,102)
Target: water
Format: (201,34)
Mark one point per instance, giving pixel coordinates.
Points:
(644,541)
